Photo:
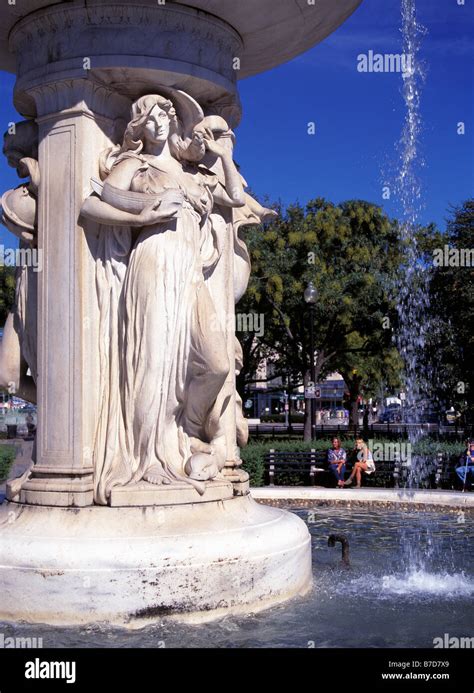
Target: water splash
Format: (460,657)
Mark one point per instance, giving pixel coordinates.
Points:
(413,295)
(408,183)
(412,290)
(419,583)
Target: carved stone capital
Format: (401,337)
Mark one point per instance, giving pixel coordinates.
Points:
(70,95)
(129,49)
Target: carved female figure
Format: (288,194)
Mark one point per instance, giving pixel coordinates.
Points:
(172,363)
(18,361)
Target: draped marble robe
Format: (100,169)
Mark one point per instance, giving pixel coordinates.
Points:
(227,290)
(162,366)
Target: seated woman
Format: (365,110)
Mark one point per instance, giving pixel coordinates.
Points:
(467,463)
(337,461)
(365,463)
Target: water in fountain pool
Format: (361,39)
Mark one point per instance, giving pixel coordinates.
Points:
(380,601)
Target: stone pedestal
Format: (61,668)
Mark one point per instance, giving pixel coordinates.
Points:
(128,566)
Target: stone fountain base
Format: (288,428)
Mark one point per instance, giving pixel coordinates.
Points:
(128,566)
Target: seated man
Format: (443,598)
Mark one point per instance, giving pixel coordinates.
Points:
(337,461)
(467,464)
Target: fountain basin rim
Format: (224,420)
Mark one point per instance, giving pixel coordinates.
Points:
(273,33)
(400,499)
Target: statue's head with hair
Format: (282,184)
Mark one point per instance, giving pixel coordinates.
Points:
(152,112)
(144,112)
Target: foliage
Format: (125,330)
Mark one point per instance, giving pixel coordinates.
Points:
(7,291)
(450,348)
(296,417)
(351,252)
(7,457)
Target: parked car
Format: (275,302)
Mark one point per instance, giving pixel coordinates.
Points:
(28,409)
(391,414)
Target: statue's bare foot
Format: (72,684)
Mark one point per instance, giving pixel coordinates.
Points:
(156,476)
(199,446)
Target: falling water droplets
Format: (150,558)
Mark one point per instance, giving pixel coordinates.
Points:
(413,297)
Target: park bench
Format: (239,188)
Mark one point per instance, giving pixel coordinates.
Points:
(311,467)
(446,477)
(388,474)
(303,465)
(440,473)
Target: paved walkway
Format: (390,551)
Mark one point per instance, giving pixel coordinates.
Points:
(384,497)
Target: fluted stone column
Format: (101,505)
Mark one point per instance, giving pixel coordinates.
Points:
(76,119)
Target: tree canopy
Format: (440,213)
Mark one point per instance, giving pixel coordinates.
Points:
(450,348)
(7,291)
(351,253)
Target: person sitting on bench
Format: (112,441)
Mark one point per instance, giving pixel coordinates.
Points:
(337,461)
(365,463)
(467,464)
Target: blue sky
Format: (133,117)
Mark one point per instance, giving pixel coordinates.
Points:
(358,116)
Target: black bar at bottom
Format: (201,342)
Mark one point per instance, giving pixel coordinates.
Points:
(102,669)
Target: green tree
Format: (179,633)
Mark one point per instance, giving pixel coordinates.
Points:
(351,252)
(363,371)
(451,345)
(7,291)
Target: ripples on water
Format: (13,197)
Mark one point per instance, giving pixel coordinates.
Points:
(381,601)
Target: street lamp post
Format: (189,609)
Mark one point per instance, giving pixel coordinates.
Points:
(310,296)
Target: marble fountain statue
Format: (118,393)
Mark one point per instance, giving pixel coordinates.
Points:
(135,505)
